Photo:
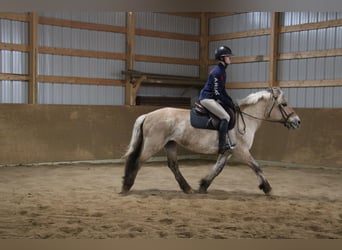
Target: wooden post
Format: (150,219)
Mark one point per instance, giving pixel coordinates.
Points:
(135,88)
(204,60)
(130,36)
(274,50)
(33,55)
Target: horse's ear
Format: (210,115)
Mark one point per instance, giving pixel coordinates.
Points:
(276,92)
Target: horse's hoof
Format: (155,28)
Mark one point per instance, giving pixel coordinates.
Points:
(124,191)
(189,191)
(266,187)
(202,191)
(204,184)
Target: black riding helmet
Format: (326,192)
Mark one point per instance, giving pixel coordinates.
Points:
(222,51)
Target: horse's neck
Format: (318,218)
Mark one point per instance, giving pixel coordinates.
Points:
(255,110)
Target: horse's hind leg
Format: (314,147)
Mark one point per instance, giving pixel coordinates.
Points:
(218,167)
(171,152)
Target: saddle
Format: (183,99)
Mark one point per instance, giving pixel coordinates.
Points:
(202,118)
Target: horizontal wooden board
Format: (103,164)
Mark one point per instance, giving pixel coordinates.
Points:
(80,80)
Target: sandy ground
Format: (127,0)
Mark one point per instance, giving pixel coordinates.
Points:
(82,201)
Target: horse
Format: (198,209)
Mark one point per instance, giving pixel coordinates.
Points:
(168,127)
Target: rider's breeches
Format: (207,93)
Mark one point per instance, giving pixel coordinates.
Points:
(215,108)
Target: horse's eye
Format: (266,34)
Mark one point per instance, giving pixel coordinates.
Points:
(284,104)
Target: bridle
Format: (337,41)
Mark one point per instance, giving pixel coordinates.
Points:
(282,108)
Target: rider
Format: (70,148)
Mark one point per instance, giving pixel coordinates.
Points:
(214,93)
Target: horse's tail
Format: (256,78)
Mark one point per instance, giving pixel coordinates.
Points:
(135,145)
(133,153)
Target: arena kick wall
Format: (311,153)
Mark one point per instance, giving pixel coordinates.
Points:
(59,133)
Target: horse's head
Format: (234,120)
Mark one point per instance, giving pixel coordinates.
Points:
(280,110)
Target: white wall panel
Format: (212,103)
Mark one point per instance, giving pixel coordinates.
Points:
(314,97)
(167,23)
(13,62)
(13,32)
(321,68)
(71,38)
(13,92)
(154,46)
(99,17)
(296,18)
(57,65)
(311,40)
(167,69)
(248,72)
(192,93)
(56,93)
(239,23)
(249,46)
(308,97)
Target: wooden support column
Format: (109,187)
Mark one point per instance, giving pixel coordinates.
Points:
(33,58)
(204,51)
(135,88)
(274,50)
(130,37)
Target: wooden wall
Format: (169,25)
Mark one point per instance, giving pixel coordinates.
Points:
(62,133)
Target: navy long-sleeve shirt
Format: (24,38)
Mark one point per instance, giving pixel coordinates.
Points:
(215,88)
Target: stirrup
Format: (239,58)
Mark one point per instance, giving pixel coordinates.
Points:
(226,147)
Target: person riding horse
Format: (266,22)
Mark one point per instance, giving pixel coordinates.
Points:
(214,98)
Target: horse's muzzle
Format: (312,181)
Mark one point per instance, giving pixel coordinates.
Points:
(293,122)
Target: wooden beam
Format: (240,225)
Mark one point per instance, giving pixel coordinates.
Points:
(234,35)
(311,26)
(80,80)
(310,54)
(245,59)
(171,60)
(13,77)
(82,53)
(14,47)
(286,84)
(204,47)
(15,16)
(130,38)
(81,25)
(272,76)
(33,58)
(246,85)
(168,35)
(183,14)
(222,14)
(311,83)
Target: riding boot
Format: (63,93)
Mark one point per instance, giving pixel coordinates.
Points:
(223,143)
(232,138)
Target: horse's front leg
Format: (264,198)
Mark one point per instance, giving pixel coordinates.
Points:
(216,170)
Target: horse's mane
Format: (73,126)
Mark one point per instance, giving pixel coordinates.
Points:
(254,98)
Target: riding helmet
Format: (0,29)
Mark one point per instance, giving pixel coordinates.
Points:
(222,51)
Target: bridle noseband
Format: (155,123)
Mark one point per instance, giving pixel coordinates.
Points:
(282,108)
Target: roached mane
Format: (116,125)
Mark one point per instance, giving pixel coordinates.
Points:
(254,98)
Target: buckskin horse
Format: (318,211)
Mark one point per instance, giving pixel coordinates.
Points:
(167,127)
